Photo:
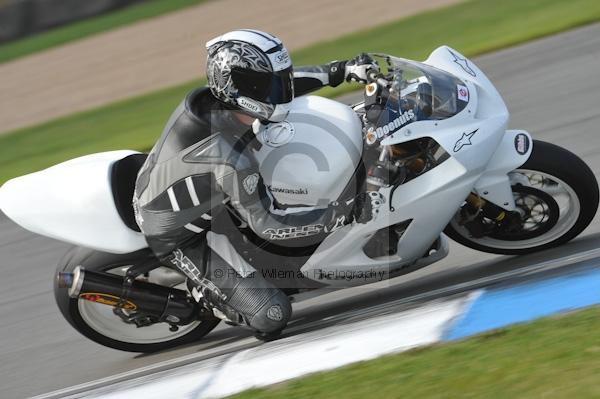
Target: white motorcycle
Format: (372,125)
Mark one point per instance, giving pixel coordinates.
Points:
(430,145)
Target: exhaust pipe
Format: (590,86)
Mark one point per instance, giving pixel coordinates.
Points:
(162,303)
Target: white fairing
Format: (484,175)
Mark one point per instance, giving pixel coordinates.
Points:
(72,202)
(310,158)
(478,161)
(450,60)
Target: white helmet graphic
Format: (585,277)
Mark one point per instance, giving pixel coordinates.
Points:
(253,71)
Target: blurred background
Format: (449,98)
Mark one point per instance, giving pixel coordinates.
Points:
(20,18)
(84,76)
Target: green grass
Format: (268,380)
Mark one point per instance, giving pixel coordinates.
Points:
(90,26)
(556,357)
(473,28)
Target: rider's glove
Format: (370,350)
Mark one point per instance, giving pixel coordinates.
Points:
(336,72)
(358,68)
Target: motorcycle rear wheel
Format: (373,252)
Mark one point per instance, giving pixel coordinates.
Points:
(567,203)
(98,322)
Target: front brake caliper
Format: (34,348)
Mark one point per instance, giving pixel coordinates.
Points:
(477,210)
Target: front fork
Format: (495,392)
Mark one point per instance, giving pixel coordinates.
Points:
(474,211)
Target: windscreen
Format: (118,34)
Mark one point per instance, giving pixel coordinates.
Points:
(418,92)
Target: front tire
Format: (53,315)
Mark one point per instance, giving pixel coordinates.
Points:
(98,323)
(558,174)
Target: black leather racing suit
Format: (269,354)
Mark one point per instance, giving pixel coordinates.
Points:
(202,160)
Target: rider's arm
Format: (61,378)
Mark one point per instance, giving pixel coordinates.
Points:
(310,78)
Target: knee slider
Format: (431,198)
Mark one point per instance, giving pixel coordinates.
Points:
(273,315)
(264,307)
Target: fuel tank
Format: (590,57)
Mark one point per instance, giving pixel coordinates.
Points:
(308,159)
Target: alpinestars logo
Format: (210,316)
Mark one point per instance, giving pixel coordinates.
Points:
(250,183)
(339,223)
(463,63)
(395,125)
(293,232)
(464,140)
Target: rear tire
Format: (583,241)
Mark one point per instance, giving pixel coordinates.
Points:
(74,309)
(554,165)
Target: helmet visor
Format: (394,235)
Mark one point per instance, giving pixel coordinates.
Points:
(266,87)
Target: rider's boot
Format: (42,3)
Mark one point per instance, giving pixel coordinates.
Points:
(250,300)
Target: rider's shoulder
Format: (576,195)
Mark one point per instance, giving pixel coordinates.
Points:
(200,102)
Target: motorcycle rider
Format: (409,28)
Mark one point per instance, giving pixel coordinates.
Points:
(203,159)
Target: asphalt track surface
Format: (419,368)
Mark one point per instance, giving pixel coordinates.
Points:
(552,90)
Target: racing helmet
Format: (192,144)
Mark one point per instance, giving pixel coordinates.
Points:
(251,70)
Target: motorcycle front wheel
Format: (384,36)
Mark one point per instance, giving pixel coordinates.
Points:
(556,197)
(99,322)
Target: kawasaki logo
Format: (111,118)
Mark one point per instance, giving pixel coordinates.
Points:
(395,125)
(297,191)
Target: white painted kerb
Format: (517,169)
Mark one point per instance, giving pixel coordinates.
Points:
(299,355)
